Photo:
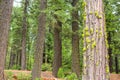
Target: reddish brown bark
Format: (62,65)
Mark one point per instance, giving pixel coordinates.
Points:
(5,13)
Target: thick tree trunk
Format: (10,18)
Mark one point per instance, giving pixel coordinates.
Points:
(36,72)
(57,62)
(75,41)
(24,35)
(5,13)
(95,41)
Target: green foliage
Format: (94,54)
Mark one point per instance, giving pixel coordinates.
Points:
(66,74)
(72,76)
(15,67)
(60,73)
(9,75)
(20,76)
(23,76)
(46,67)
(38,79)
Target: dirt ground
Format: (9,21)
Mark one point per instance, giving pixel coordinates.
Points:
(47,75)
(114,76)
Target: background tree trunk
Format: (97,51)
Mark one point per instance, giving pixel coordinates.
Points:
(36,72)
(116,64)
(24,35)
(12,59)
(75,41)
(110,52)
(95,66)
(5,13)
(57,61)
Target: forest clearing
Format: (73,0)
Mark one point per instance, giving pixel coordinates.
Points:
(59,39)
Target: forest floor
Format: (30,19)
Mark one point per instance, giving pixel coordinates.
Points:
(16,74)
(46,75)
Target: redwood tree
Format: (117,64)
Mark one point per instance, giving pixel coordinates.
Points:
(5,13)
(95,42)
(36,72)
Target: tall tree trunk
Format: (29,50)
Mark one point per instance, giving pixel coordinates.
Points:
(36,72)
(24,35)
(57,61)
(18,58)
(75,41)
(5,13)
(12,59)
(95,41)
(116,64)
(110,52)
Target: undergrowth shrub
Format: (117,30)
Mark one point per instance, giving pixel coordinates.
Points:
(46,67)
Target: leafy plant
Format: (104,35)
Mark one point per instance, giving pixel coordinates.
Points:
(61,73)
(72,76)
(23,76)
(8,75)
(46,67)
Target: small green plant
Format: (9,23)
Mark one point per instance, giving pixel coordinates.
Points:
(38,79)
(72,76)
(9,75)
(23,76)
(46,67)
(16,67)
(61,73)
